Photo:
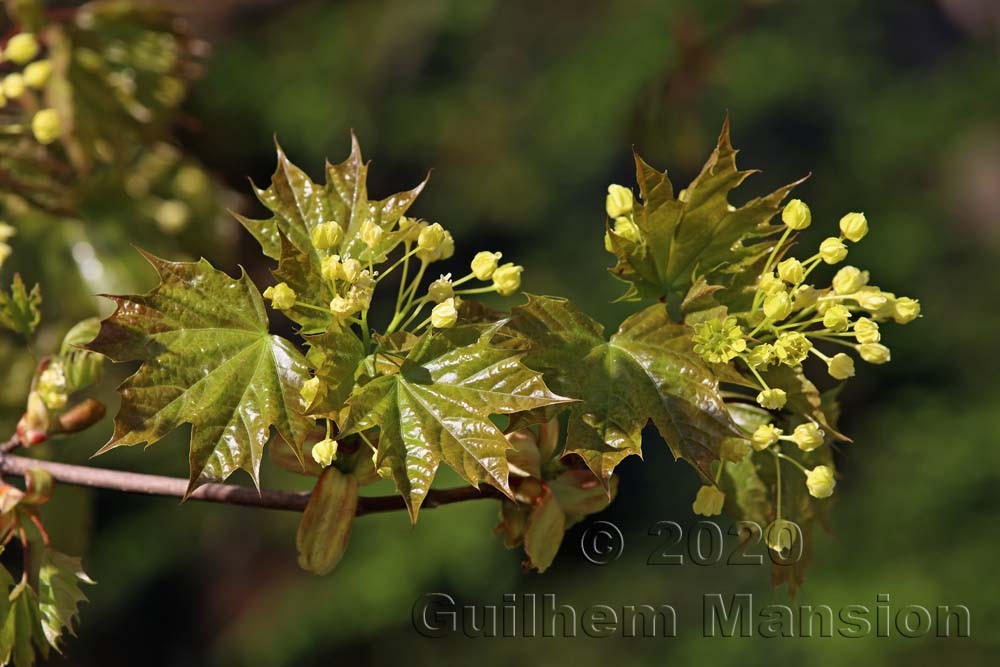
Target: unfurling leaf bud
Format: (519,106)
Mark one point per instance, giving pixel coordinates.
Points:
(326,235)
(281,295)
(46,126)
(874,353)
(832,250)
(808,436)
(854,226)
(840,366)
(484,264)
(619,201)
(836,318)
(777,306)
(444,315)
(780,535)
(37,74)
(441,289)
(866,331)
(791,271)
(324,452)
(849,280)
(21,48)
(371,234)
(507,279)
(796,215)
(709,501)
(765,436)
(772,399)
(905,310)
(820,482)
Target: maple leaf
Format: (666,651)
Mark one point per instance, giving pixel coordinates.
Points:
(209,361)
(646,371)
(438,406)
(19,309)
(696,233)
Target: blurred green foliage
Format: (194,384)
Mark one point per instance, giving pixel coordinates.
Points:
(526,111)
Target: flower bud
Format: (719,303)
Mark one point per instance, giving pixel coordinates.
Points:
(765,436)
(796,215)
(820,482)
(866,331)
(431,242)
(849,280)
(444,315)
(836,318)
(780,535)
(21,48)
(350,270)
(854,226)
(331,269)
(874,353)
(51,386)
(769,283)
(507,279)
(309,391)
(342,307)
(905,310)
(832,250)
(619,201)
(808,436)
(733,450)
(761,356)
(6,231)
(441,289)
(324,452)
(871,298)
(326,235)
(772,399)
(709,501)
(804,296)
(371,234)
(625,228)
(46,126)
(409,229)
(777,306)
(484,264)
(840,366)
(281,295)
(791,271)
(37,74)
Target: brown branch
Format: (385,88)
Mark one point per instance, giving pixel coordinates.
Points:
(231,494)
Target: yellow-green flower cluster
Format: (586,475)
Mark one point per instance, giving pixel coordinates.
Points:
(619,205)
(29,75)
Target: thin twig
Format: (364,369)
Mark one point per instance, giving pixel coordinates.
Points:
(158,485)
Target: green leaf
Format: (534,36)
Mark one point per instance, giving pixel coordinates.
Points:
(59,594)
(22,637)
(438,406)
(326,523)
(208,361)
(544,532)
(336,356)
(647,371)
(695,234)
(19,309)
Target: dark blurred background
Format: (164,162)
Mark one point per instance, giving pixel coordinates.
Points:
(526,111)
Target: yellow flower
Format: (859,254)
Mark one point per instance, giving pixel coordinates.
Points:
(836,318)
(804,296)
(350,270)
(733,450)
(905,310)
(441,289)
(433,242)
(309,391)
(619,201)
(871,298)
(854,226)
(342,307)
(832,250)
(13,86)
(791,348)
(808,436)
(281,295)
(37,74)
(772,399)
(866,331)
(765,436)
(331,269)
(625,228)
(849,280)
(709,501)
(796,215)
(840,366)
(761,356)
(52,386)
(444,315)
(769,283)
(371,234)
(21,48)
(874,353)
(791,271)
(718,340)
(507,279)
(326,235)
(780,535)
(484,264)
(820,482)
(46,126)
(324,452)
(777,306)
